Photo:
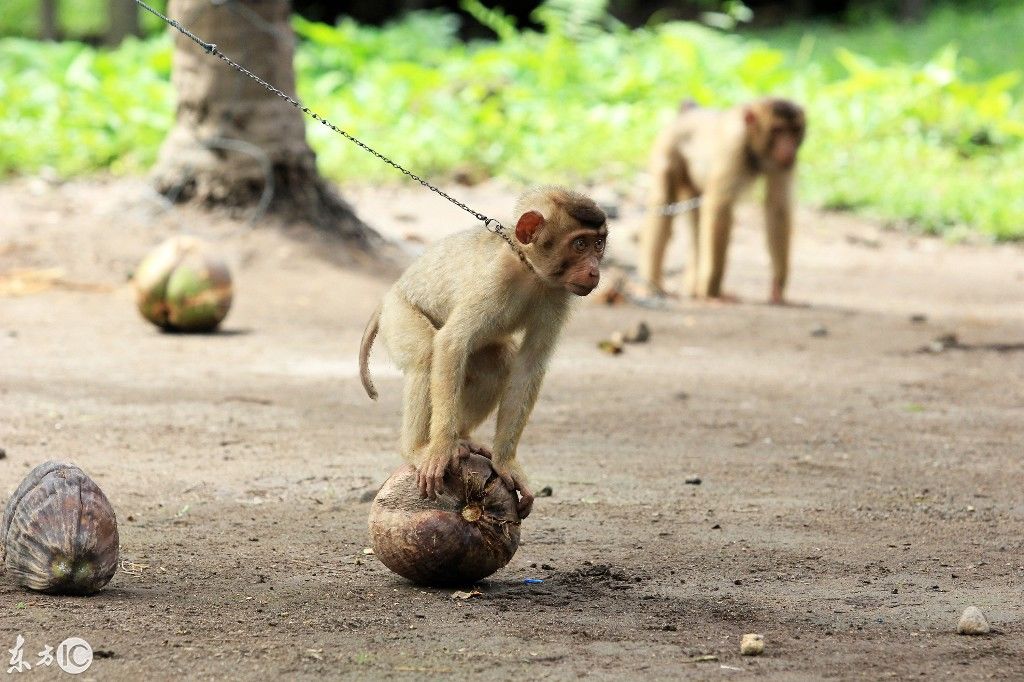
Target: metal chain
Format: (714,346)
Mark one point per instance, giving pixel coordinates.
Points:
(491,224)
(677,207)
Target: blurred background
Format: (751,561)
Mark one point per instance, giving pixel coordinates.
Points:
(915,106)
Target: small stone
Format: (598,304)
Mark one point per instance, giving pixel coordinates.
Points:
(546,491)
(3,454)
(819,331)
(752,645)
(459,594)
(918,318)
(640,333)
(942,343)
(692,480)
(973,622)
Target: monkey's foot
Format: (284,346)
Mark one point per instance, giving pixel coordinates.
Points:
(646,290)
(721,299)
(430,474)
(517,484)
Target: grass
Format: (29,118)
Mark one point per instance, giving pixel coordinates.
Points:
(906,124)
(982,36)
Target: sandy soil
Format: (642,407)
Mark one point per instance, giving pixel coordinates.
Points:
(856,493)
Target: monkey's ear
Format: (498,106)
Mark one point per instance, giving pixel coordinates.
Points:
(749,117)
(527,226)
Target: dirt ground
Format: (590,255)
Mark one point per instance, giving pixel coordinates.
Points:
(857,493)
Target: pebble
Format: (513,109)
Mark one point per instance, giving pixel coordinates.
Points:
(942,343)
(546,491)
(692,480)
(819,331)
(752,645)
(609,346)
(973,622)
(640,333)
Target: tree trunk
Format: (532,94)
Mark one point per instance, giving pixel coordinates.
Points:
(912,11)
(48,20)
(234,143)
(122,21)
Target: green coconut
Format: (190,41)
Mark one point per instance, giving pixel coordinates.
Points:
(182,285)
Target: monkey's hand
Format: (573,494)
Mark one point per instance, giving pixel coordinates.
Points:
(514,479)
(430,472)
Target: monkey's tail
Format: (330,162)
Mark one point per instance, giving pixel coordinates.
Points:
(364,353)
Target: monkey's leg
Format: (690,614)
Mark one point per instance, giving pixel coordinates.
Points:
(690,278)
(409,337)
(657,230)
(715,230)
(415,415)
(778,224)
(486,376)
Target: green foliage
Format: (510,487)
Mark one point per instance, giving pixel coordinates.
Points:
(76,19)
(76,109)
(934,139)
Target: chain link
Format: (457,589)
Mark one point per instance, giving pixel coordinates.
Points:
(491,224)
(677,207)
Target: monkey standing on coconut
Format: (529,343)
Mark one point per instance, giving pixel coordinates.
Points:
(716,155)
(472,324)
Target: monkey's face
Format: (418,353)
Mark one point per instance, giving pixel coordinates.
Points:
(566,250)
(579,271)
(785,141)
(775,131)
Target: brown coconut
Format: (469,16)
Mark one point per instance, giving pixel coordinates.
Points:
(59,532)
(466,534)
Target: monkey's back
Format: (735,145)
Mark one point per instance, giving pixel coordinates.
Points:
(449,270)
(696,136)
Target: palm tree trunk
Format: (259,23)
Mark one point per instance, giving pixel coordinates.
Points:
(233,142)
(122,21)
(48,29)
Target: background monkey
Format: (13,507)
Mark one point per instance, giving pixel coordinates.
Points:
(716,155)
(473,327)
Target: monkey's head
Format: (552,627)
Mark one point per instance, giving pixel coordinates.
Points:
(775,131)
(563,233)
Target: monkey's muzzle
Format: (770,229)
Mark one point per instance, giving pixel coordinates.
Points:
(581,289)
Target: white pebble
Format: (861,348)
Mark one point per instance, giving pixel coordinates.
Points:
(752,645)
(973,622)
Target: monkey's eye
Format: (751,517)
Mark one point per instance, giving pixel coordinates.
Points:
(599,244)
(580,244)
